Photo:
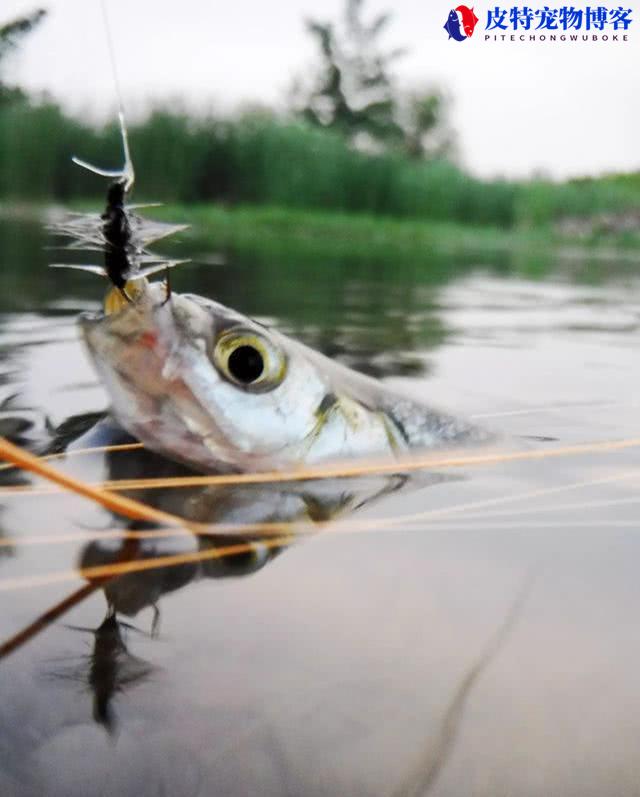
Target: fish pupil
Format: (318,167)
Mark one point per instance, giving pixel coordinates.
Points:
(245,364)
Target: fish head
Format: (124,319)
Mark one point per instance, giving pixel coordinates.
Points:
(204,384)
(452,26)
(452,20)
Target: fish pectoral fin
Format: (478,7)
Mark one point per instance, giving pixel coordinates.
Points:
(354,414)
(397,442)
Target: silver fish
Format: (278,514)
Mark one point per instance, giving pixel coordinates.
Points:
(203,384)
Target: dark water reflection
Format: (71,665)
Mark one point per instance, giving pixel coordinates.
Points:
(484,641)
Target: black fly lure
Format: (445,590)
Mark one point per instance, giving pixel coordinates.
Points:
(118,233)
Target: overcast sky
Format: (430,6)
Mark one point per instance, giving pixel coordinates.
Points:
(519,108)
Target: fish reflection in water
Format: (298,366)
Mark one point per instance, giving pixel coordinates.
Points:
(112,668)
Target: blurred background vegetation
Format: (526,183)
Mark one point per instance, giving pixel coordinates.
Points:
(351,142)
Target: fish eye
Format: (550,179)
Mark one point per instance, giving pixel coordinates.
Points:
(245,364)
(249,360)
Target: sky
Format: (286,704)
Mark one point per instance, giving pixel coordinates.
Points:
(519,108)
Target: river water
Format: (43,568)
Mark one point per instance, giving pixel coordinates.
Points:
(473,631)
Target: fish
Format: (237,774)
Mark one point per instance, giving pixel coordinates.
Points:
(452,26)
(205,385)
(469,19)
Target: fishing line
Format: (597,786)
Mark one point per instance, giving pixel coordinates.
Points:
(112,55)
(339,470)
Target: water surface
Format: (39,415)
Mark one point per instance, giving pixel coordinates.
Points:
(483,642)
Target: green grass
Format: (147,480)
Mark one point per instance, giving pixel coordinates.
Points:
(320,243)
(363,234)
(337,234)
(264,160)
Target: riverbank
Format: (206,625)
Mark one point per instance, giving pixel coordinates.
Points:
(323,237)
(326,237)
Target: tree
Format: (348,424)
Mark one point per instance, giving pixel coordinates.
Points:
(11,34)
(354,91)
(426,132)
